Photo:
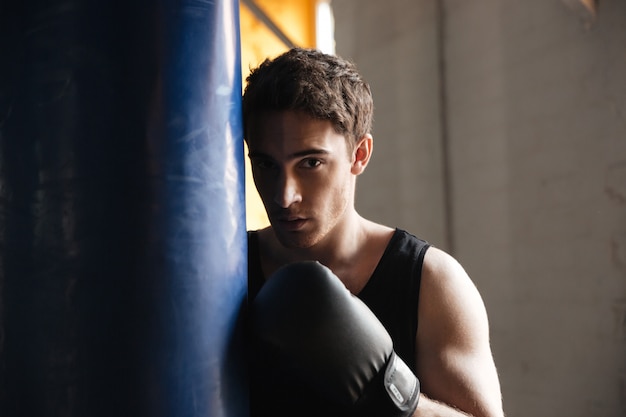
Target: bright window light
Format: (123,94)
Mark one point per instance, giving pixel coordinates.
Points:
(325,27)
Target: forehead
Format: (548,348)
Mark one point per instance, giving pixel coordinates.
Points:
(290,131)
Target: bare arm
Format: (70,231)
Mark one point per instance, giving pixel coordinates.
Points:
(430,408)
(454,361)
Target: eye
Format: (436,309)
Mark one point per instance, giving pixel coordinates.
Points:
(262,163)
(311,163)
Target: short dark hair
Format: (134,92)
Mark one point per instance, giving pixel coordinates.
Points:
(322,86)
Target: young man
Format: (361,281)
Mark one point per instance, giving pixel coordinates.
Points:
(307,121)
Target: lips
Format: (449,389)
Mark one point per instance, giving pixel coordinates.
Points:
(290,222)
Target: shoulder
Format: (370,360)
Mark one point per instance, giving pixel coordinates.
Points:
(449,297)
(265,241)
(439,265)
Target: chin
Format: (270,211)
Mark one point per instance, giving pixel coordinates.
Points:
(296,240)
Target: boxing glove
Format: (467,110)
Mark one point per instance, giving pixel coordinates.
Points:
(318,347)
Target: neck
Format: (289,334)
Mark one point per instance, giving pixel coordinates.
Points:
(351,251)
(339,247)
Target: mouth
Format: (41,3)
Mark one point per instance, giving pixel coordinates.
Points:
(291,223)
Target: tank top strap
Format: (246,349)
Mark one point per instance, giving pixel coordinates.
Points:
(255,271)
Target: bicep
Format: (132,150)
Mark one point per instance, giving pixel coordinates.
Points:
(454,360)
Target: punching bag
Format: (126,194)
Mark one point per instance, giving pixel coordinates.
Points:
(122,224)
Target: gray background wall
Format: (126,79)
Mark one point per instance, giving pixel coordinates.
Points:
(500,135)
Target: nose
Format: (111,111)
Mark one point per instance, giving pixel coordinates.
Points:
(287,191)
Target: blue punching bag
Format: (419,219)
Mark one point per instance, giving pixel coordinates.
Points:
(122,227)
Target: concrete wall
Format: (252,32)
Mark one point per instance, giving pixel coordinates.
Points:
(511,153)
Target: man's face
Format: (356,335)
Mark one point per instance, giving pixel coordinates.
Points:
(302,170)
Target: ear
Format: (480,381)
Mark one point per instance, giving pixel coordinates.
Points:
(362,154)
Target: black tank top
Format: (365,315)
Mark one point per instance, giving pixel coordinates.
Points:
(392,291)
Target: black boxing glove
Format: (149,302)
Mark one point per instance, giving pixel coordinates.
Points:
(309,331)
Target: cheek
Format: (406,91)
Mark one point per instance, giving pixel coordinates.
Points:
(337,192)
(263,184)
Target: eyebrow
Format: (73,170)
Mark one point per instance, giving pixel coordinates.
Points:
(304,152)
